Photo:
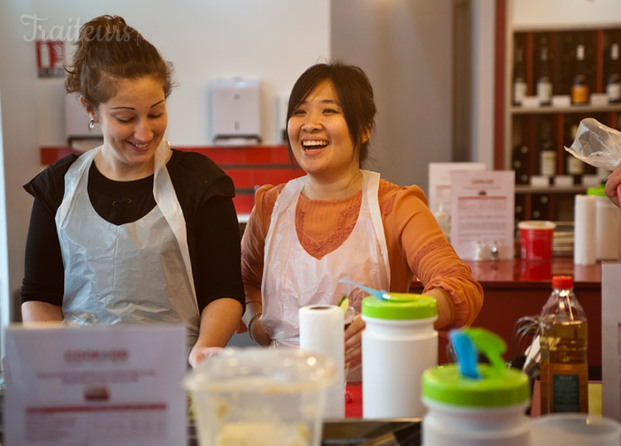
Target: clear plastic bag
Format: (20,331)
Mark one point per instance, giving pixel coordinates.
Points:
(597,144)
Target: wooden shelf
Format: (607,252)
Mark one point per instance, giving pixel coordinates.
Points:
(529,129)
(550,190)
(577,109)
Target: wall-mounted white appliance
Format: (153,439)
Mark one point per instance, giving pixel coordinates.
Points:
(235,111)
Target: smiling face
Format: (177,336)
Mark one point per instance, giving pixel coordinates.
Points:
(133,122)
(319,135)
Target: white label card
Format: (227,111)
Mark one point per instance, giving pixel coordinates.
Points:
(482,214)
(440,182)
(94,386)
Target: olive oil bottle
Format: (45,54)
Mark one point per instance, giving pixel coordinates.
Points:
(564,337)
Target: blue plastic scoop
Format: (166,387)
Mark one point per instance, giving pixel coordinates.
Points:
(467,342)
(466,353)
(380,294)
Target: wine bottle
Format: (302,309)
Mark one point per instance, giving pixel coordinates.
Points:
(544,83)
(540,207)
(547,165)
(580,87)
(613,85)
(519,77)
(575,167)
(519,162)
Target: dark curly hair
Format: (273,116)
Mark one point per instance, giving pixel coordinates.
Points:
(108,50)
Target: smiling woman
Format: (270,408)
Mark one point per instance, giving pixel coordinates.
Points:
(132,231)
(342,222)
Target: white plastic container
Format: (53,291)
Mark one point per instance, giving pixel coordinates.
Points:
(574,429)
(398,344)
(255,396)
(484,411)
(607,226)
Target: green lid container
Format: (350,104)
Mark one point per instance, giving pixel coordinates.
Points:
(445,384)
(599,191)
(400,306)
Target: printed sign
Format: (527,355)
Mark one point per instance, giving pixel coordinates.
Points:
(482,214)
(99,385)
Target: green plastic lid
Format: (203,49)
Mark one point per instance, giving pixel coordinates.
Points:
(445,384)
(599,191)
(400,306)
(476,385)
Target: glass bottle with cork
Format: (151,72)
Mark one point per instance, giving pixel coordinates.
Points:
(613,84)
(547,152)
(544,82)
(564,337)
(575,166)
(580,87)
(519,77)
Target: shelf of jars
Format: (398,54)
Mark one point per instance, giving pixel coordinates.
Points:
(558,78)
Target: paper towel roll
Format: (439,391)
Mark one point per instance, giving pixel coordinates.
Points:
(322,331)
(584,230)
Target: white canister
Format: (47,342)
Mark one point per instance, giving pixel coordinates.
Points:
(482,411)
(607,225)
(398,344)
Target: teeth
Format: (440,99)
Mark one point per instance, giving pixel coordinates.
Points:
(140,146)
(314,143)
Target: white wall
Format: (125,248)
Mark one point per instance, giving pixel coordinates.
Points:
(405,47)
(205,40)
(274,40)
(563,13)
(483,62)
(19,141)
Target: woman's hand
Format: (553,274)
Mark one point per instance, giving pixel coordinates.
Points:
(353,339)
(258,335)
(612,184)
(199,353)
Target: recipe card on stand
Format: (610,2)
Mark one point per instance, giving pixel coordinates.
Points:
(482,214)
(97,385)
(440,182)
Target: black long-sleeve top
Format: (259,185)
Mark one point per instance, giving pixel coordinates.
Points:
(205,195)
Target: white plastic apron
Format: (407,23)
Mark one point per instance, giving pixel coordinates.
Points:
(292,278)
(137,272)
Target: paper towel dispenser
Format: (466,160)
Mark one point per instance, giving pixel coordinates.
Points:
(235,111)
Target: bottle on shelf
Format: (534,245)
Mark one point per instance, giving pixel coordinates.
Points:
(519,162)
(574,166)
(564,368)
(613,84)
(547,152)
(580,87)
(540,207)
(544,82)
(519,77)
(520,208)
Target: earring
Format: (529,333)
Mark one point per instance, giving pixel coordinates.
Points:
(91,124)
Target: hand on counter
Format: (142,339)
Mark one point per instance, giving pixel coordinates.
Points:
(353,339)
(200,353)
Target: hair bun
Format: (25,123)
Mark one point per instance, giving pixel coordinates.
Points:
(105,28)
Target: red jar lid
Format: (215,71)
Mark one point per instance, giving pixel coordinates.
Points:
(562,282)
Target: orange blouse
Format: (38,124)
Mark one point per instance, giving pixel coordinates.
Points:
(416,245)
